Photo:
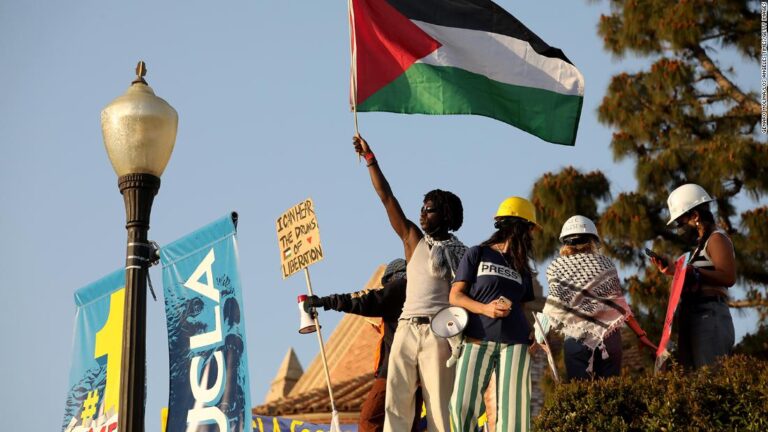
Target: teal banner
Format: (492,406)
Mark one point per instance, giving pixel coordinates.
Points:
(94,378)
(209,389)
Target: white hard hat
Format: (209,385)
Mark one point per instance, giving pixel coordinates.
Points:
(578,225)
(684,198)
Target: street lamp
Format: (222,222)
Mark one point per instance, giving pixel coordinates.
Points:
(139,133)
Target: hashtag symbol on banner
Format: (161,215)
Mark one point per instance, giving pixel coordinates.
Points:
(89,405)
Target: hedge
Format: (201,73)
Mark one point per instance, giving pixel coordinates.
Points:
(730,396)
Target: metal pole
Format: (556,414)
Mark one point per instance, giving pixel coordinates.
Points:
(322,351)
(138,192)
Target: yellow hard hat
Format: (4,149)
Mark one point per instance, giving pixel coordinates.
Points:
(517,207)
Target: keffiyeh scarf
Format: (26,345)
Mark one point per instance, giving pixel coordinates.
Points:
(585,299)
(444,255)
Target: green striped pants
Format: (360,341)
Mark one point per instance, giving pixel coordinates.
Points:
(513,386)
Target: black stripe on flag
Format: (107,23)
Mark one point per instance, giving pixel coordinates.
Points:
(482,15)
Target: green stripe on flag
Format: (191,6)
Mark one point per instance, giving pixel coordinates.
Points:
(428,89)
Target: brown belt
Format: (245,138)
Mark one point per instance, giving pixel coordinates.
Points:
(707,294)
(712,291)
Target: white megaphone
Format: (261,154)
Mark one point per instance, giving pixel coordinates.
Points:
(307,321)
(448,323)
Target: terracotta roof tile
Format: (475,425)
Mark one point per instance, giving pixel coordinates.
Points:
(287,375)
(351,353)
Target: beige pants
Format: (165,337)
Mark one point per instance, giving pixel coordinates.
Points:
(418,356)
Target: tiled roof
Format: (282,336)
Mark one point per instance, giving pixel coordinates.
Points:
(315,405)
(351,353)
(287,375)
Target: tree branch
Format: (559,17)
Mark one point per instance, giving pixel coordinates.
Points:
(703,77)
(708,96)
(724,83)
(748,303)
(708,99)
(740,117)
(736,188)
(714,36)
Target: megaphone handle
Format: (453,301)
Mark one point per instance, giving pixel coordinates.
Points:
(322,346)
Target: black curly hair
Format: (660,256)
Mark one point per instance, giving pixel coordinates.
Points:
(449,205)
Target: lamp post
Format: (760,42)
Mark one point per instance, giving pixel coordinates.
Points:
(139,131)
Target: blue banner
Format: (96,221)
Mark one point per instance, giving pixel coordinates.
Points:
(209,389)
(282,424)
(94,379)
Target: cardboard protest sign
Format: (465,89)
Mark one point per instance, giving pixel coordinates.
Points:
(298,237)
(674,298)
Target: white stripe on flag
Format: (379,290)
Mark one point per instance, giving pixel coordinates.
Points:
(501,58)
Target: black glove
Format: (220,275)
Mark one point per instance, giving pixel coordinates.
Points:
(314,301)
(310,303)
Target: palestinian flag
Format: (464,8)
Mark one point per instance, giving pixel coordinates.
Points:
(461,57)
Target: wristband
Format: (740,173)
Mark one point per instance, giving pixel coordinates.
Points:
(370,158)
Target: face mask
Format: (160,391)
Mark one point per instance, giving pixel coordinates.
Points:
(689,234)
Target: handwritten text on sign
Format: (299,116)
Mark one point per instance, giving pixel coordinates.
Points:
(298,237)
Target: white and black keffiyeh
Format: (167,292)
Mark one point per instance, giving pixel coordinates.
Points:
(585,299)
(445,255)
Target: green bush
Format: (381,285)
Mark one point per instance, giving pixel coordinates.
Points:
(730,397)
(755,345)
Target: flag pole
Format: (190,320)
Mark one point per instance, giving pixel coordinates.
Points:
(334,413)
(353,64)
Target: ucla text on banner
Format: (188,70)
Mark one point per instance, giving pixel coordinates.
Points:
(94,379)
(298,237)
(282,424)
(209,388)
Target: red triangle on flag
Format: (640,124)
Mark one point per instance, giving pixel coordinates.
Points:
(387,43)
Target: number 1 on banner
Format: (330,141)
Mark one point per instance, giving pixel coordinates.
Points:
(109,342)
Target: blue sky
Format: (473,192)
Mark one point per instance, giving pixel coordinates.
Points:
(261,92)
